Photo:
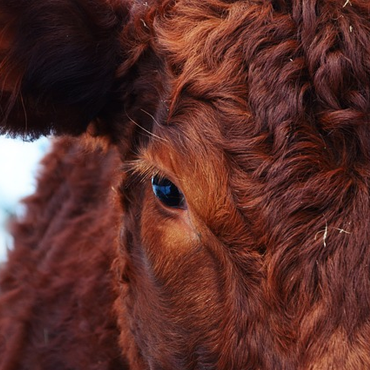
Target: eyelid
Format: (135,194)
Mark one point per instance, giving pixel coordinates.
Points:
(145,170)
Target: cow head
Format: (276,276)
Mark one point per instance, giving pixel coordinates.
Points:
(242,128)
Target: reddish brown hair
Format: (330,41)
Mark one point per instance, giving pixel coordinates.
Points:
(257,111)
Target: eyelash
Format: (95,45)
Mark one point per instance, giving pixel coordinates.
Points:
(144,171)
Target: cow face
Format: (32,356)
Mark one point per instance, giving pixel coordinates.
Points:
(242,132)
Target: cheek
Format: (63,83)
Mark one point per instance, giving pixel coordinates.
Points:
(175,286)
(177,262)
(169,237)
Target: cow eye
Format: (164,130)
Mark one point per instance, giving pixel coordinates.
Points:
(167,192)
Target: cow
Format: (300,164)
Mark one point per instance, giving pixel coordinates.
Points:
(205,203)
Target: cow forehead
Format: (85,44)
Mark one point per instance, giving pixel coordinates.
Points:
(291,67)
(260,104)
(282,80)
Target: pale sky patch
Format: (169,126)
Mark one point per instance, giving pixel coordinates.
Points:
(18,167)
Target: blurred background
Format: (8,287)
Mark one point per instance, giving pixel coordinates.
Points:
(18,167)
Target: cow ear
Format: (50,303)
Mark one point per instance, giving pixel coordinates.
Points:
(58,61)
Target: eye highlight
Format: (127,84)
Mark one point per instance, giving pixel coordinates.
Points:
(167,192)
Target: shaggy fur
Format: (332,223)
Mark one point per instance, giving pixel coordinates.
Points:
(259,112)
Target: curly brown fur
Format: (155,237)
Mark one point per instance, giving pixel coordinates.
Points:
(258,111)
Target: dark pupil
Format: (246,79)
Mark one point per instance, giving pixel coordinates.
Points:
(167,192)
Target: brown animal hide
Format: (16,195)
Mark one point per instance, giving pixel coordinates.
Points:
(212,209)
